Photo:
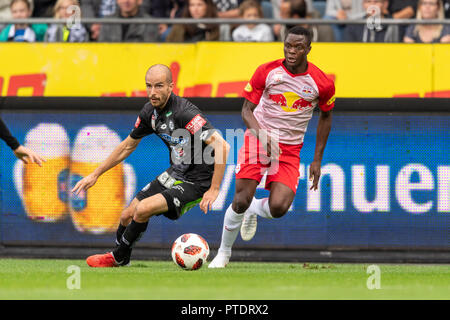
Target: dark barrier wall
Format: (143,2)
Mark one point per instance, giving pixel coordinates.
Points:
(385,177)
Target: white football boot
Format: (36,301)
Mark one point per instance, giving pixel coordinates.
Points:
(249,224)
(220,261)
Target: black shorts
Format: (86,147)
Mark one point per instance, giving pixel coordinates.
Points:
(181,197)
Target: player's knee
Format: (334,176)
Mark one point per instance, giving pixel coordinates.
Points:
(141,213)
(278,209)
(241,203)
(126,216)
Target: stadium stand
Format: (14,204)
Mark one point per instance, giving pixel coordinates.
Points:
(369,32)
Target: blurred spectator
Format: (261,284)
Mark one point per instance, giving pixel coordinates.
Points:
(160,8)
(21,9)
(276,8)
(402,9)
(129,32)
(227,8)
(447,8)
(5,11)
(284,8)
(230,8)
(373,31)
(196,9)
(281,10)
(177,7)
(250,10)
(63,33)
(343,10)
(103,8)
(97,9)
(298,10)
(43,8)
(425,33)
(166,9)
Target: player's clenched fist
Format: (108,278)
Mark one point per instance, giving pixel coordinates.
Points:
(85,184)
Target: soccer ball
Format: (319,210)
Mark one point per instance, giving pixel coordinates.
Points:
(190,251)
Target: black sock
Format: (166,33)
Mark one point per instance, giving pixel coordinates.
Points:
(131,235)
(119,233)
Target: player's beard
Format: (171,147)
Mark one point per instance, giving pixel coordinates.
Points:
(160,102)
(156,102)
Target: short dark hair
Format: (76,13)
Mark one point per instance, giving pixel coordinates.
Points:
(299,30)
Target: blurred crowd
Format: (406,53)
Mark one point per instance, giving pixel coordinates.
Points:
(334,10)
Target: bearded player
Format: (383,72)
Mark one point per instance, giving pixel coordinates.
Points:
(190,180)
(279,102)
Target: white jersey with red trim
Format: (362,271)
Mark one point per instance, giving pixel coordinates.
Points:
(286,101)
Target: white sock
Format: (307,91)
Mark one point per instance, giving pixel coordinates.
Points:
(261,208)
(231,225)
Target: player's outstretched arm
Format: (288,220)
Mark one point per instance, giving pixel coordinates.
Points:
(323,130)
(21,152)
(221,150)
(120,153)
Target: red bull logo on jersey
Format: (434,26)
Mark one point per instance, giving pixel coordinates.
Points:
(290,101)
(308,92)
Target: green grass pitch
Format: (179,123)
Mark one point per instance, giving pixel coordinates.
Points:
(161,280)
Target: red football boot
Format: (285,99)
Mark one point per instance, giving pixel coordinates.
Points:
(105,260)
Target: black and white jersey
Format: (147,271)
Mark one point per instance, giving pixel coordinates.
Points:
(183,128)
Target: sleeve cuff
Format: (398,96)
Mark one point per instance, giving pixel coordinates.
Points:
(14,145)
(327,107)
